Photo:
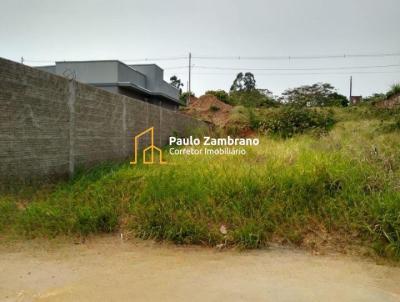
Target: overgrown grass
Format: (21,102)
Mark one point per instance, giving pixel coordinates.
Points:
(344,184)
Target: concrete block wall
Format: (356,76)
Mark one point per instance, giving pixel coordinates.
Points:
(50,125)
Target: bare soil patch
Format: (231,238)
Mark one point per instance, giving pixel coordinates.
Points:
(209,108)
(109,269)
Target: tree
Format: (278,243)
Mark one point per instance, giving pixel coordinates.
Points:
(338,99)
(184,96)
(266,92)
(252,98)
(319,94)
(245,82)
(176,82)
(244,92)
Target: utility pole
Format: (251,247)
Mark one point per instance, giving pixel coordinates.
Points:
(190,79)
(351,89)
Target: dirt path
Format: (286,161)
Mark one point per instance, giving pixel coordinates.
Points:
(107,269)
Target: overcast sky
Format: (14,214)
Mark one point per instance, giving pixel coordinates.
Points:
(49,30)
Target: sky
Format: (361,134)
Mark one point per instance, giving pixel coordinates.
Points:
(164,32)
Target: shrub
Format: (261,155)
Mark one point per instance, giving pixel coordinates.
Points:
(316,95)
(380,113)
(392,126)
(374,98)
(395,89)
(254,119)
(252,98)
(221,95)
(292,120)
(242,119)
(183,97)
(8,212)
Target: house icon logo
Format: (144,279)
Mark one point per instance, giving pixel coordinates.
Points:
(150,149)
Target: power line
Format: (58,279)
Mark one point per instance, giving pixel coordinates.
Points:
(202,57)
(307,57)
(298,73)
(156,59)
(177,67)
(125,60)
(295,69)
(283,69)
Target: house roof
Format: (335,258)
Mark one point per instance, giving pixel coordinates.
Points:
(156,87)
(132,86)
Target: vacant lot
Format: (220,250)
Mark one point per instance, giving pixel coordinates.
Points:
(317,190)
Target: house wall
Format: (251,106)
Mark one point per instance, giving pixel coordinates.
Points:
(168,89)
(154,74)
(127,74)
(86,72)
(155,79)
(50,68)
(50,125)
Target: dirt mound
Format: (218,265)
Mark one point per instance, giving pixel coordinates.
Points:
(210,109)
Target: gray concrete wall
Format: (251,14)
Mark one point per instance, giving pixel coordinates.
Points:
(50,68)
(155,79)
(153,73)
(87,72)
(167,89)
(127,74)
(50,125)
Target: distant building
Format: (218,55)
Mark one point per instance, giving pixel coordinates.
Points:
(144,82)
(355,99)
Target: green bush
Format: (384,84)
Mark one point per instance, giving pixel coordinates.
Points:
(221,95)
(8,213)
(252,98)
(316,95)
(246,98)
(242,118)
(374,98)
(395,89)
(292,120)
(184,96)
(380,113)
(391,126)
(254,119)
